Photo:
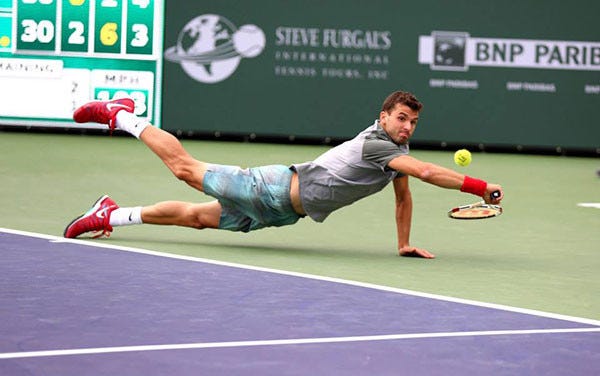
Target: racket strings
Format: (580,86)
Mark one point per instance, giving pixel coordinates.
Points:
(475,211)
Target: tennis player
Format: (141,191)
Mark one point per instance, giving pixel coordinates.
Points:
(248,199)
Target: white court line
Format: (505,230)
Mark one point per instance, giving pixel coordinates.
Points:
(589,205)
(60,239)
(283,342)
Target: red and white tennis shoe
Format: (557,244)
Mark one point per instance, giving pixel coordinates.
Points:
(97,219)
(103,112)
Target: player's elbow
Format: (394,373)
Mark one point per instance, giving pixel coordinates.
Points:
(426,173)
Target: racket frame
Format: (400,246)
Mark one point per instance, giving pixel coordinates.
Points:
(485,210)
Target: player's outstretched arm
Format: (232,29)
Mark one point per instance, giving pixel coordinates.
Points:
(445,177)
(428,172)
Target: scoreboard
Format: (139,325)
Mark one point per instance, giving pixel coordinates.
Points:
(56,55)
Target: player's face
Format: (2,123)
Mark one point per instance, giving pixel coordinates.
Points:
(400,123)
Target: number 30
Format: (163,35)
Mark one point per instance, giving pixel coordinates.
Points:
(42,31)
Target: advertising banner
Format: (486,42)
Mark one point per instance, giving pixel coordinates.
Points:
(516,73)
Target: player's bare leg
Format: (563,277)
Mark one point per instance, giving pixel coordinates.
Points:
(105,213)
(199,216)
(119,113)
(168,148)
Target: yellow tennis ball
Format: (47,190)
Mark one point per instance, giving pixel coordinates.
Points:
(462,157)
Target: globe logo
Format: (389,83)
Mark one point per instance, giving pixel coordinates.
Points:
(210,47)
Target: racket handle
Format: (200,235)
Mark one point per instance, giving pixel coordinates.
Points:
(495,194)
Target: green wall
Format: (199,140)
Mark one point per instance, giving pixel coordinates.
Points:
(494,72)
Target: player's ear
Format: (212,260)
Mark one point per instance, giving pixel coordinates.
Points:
(383,115)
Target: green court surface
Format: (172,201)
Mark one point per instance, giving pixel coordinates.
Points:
(543,253)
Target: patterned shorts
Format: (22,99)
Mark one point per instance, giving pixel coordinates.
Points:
(251,198)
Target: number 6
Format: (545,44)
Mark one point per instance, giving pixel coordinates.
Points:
(108,34)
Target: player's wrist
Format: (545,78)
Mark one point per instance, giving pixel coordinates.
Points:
(474,186)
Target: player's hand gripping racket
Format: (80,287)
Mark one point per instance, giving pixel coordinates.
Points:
(477,210)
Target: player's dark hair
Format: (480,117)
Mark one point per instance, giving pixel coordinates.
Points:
(402,97)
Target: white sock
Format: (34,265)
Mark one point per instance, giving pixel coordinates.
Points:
(126,216)
(131,123)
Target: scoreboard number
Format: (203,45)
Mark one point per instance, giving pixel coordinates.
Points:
(141,3)
(141,35)
(139,97)
(77,29)
(42,31)
(108,34)
(43,2)
(108,20)
(109,3)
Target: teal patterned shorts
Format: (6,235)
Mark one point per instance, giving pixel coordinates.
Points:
(251,198)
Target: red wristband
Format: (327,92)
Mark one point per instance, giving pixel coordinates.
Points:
(474,186)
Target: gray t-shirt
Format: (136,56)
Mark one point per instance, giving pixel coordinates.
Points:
(348,172)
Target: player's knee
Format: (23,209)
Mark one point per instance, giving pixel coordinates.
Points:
(182,173)
(202,216)
(187,170)
(198,225)
(201,222)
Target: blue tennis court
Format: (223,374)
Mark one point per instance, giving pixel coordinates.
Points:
(75,307)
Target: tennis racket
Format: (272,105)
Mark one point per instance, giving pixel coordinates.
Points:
(477,210)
